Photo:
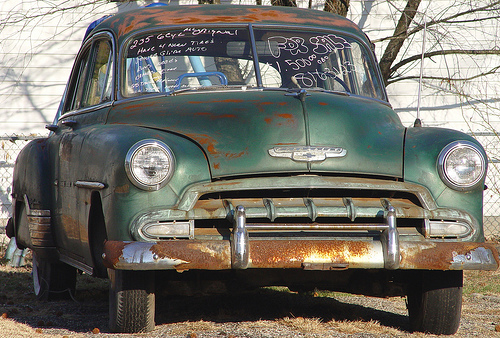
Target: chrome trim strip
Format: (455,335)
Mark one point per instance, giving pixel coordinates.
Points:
(90,185)
(77,264)
(39,226)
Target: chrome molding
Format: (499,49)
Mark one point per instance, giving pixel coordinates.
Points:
(90,185)
(307,153)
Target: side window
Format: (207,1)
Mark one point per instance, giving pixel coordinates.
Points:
(75,92)
(92,81)
(98,84)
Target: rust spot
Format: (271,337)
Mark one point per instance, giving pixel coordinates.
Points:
(235,155)
(210,255)
(210,143)
(113,250)
(434,256)
(71,227)
(289,119)
(216,116)
(217,101)
(139,107)
(323,103)
(216,165)
(149,17)
(287,144)
(123,189)
(292,254)
(206,141)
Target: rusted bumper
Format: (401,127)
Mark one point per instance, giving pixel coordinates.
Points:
(301,254)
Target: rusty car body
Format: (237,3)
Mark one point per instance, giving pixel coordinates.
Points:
(251,144)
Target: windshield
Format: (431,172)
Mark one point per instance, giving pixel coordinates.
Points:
(195,58)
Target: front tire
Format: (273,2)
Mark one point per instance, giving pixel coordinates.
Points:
(52,281)
(435,302)
(131,301)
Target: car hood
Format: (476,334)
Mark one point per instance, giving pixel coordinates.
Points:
(261,132)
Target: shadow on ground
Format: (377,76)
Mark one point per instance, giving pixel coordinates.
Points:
(89,308)
(269,304)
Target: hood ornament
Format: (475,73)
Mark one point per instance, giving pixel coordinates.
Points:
(307,153)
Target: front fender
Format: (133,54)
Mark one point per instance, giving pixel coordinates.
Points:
(422,148)
(104,151)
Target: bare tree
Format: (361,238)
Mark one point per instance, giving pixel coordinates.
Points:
(439,27)
(333,6)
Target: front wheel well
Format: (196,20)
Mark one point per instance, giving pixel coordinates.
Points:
(97,234)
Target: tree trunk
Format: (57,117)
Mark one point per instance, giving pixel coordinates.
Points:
(339,7)
(399,37)
(287,3)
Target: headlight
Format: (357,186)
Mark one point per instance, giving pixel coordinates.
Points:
(461,165)
(149,164)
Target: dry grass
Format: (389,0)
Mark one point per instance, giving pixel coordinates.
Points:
(304,325)
(484,282)
(267,312)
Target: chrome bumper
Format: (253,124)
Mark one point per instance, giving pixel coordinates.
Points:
(241,252)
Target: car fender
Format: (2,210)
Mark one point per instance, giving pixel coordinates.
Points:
(422,149)
(31,186)
(103,160)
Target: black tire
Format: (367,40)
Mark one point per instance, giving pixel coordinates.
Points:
(131,301)
(435,302)
(53,281)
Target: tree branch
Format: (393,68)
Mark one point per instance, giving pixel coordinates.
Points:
(49,12)
(446,79)
(417,29)
(400,34)
(442,53)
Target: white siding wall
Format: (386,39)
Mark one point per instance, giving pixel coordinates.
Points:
(439,105)
(36,57)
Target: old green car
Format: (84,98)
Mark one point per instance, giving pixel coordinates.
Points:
(253,146)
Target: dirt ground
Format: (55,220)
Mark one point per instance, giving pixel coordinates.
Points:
(261,313)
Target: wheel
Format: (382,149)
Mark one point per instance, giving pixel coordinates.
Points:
(52,281)
(131,301)
(435,302)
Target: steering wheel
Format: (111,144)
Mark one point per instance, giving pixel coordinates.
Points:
(202,78)
(339,80)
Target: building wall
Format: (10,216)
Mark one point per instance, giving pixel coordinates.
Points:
(36,56)
(477,109)
(39,42)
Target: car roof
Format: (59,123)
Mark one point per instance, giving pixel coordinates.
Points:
(128,23)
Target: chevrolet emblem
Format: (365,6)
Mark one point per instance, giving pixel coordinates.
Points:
(307,153)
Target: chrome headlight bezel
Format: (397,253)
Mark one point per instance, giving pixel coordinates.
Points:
(450,178)
(133,169)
